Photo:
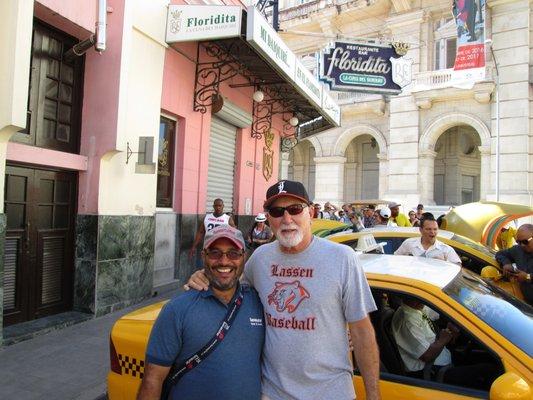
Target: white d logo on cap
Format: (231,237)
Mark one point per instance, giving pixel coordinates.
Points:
(280,187)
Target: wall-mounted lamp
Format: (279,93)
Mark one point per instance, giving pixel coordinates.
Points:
(293,121)
(258,96)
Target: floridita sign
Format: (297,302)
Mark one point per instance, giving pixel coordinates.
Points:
(363,67)
(190,22)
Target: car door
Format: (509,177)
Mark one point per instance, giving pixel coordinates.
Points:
(394,384)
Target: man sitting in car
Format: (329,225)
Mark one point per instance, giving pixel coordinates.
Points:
(422,347)
(427,244)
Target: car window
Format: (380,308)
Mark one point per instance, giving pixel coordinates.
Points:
(470,243)
(512,318)
(469,261)
(464,363)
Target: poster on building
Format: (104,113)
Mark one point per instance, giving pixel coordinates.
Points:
(364,67)
(470,21)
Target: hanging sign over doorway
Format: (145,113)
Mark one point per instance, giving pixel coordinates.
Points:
(349,66)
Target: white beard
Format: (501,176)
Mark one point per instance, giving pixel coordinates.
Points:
(289,239)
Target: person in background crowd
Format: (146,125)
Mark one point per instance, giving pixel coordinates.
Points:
(211,220)
(413,219)
(384,217)
(330,209)
(369,218)
(518,260)
(419,211)
(398,218)
(427,244)
(506,237)
(260,232)
(343,217)
(317,208)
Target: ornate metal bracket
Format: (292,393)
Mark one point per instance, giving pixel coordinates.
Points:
(210,74)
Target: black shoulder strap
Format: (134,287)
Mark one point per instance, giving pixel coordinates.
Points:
(175,374)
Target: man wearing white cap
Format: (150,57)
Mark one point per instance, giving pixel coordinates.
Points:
(384,218)
(260,233)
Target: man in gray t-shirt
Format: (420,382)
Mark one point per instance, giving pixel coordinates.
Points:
(310,289)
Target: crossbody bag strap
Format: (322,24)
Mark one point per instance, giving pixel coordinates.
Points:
(191,362)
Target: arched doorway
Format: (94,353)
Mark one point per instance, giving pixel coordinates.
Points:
(361,170)
(454,163)
(457,173)
(302,165)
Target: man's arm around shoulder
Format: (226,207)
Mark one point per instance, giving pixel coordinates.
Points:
(367,355)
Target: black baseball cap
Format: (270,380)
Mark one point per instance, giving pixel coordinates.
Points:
(286,188)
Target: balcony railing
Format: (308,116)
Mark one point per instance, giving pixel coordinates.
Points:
(303,10)
(443,78)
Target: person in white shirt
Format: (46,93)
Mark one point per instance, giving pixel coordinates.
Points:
(427,245)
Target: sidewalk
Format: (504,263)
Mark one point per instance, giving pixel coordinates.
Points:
(67,364)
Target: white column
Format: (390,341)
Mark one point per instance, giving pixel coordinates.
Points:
(298,171)
(484,184)
(329,179)
(426,175)
(383,174)
(284,165)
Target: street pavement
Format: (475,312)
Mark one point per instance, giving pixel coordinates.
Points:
(67,364)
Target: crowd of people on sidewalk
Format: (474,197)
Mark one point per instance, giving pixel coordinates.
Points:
(369,215)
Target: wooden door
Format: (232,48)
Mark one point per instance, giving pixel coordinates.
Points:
(38,259)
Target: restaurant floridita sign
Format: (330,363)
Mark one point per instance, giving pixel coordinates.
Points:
(365,67)
(200,22)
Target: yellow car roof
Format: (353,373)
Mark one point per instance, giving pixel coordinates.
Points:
(483,220)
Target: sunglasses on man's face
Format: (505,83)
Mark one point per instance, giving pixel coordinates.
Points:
(216,254)
(293,209)
(524,242)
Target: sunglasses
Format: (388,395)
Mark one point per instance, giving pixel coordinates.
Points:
(293,209)
(216,254)
(524,242)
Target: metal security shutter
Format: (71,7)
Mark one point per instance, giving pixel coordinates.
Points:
(221,170)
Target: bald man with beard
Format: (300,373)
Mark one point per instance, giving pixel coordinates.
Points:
(517,261)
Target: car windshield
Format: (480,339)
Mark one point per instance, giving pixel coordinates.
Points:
(506,314)
(479,247)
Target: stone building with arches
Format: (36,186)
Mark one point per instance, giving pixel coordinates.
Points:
(436,142)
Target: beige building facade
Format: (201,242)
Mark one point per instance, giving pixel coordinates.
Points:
(436,142)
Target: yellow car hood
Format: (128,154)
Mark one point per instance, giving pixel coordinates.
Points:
(483,221)
(148,313)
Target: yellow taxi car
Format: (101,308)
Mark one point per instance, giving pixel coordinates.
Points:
(474,256)
(326,227)
(483,221)
(495,329)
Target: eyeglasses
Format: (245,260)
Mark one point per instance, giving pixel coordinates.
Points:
(216,254)
(524,242)
(293,209)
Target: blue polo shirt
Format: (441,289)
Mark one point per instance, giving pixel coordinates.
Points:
(233,370)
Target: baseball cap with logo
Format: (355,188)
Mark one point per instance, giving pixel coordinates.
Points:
(224,231)
(286,188)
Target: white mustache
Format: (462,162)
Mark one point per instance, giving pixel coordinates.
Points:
(288,226)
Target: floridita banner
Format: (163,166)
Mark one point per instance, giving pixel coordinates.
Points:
(470,20)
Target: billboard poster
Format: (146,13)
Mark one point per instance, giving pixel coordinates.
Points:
(364,67)
(470,21)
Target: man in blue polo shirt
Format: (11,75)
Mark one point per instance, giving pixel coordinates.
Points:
(188,322)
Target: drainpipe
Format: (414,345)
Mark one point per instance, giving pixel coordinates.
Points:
(97,40)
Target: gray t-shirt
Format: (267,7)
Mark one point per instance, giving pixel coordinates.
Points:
(308,298)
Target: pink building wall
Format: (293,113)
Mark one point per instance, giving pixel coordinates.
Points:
(75,17)
(193,138)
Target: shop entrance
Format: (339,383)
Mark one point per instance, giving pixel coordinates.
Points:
(38,253)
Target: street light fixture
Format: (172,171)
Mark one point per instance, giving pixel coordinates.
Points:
(488,42)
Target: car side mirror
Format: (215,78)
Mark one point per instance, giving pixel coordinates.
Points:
(510,386)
